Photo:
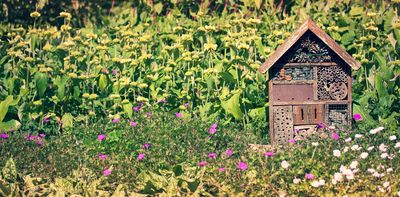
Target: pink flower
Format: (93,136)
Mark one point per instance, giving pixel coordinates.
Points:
(39,142)
(101,137)
(133,124)
(107,172)
(202,163)
(228,152)
(309,176)
(115,120)
(292,141)
(321,125)
(335,136)
(212,155)
(141,156)
(186,104)
(357,117)
(213,128)
(148,114)
(242,166)
(269,154)
(42,135)
(136,108)
(102,157)
(146,146)
(31,137)
(4,136)
(222,169)
(178,115)
(115,72)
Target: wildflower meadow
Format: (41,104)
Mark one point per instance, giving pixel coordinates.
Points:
(164,98)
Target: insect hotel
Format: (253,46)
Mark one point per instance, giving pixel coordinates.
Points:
(309,83)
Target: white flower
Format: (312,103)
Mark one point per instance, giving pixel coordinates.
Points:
(354,164)
(370,170)
(334,182)
(377,130)
(348,139)
(318,183)
(392,138)
(376,174)
(358,136)
(345,149)
(338,177)
(355,147)
(350,176)
(364,155)
(397,145)
(384,155)
(332,127)
(389,170)
(336,153)
(386,184)
(398,193)
(382,147)
(314,143)
(285,164)
(296,180)
(370,148)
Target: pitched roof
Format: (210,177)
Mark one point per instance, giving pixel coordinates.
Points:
(309,25)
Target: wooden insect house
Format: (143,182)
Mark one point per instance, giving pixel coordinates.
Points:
(309,83)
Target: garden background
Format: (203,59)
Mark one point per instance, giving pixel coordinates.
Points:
(163,97)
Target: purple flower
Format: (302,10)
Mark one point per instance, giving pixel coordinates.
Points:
(102,156)
(269,154)
(178,115)
(39,142)
(309,176)
(228,152)
(136,108)
(202,163)
(115,72)
(222,169)
(107,172)
(213,128)
(146,145)
(101,137)
(148,114)
(357,117)
(186,104)
(133,124)
(321,125)
(115,120)
(31,137)
(292,141)
(335,136)
(141,156)
(46,119)
(242,166)
(42,135)
(4,136)
(212,155)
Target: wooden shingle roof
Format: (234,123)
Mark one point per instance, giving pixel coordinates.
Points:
(325,38)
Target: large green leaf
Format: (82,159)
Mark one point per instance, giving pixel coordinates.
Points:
(41,83)
(128,109)
(4,107)
(232,106)
(10,125)
(61,83)
(103,82)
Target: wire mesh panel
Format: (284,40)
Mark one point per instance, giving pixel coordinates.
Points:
(283,124)
(337,114)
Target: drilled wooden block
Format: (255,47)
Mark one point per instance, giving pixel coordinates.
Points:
(283,124)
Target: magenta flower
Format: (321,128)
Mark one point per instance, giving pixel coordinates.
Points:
(269,154)
(222,169)
(115,72)
(242,166)
(102,156)
(228,152)
(115,120)
(39,142)
(309,176)
(212,155)
(46,119)
(107,172)
(42,135)
(186,104)
(148,114)
(178,115)
(146,145)
(357,117)
(31,137)
(141,156)
(202,163)
(213,128)
(335,136)
(4,136)
(101,137)
(321,125)
(292,141)
(133,124)
(136,108)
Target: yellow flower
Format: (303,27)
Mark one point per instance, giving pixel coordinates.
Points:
(93,96)
(85,95)
(65,15)
(371,14)
(372,49)
(143,85)
(115,96)
(35,14)
(210,47)
(142,99)
(167,78)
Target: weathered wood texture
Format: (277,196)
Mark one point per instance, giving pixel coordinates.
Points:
(283,124)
